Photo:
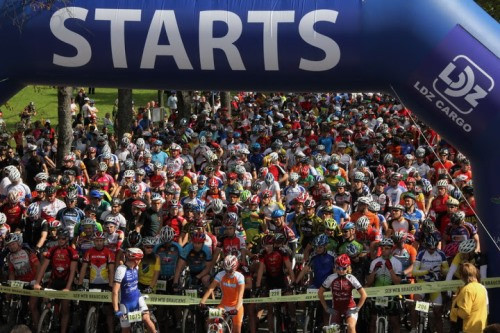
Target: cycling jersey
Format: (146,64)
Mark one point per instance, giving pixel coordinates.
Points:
(229,285)
(175,223)
(232,245)
(343,246)
(429,262)
(84,243)
(382,275)
(51,208)
(70,217)
(342,287)
(274,263)
(252,224)
(406,255)
(129,291)
(457,234)
(322,265)
(13,214)
(23,264)
(374,220)
(60,259)
(149,265)
(169,255)
(99,261)
(196,261)
(114,241)
(105,180)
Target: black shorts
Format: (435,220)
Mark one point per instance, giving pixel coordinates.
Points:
(57,284)
(276,282)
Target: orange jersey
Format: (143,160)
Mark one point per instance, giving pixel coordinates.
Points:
(374,220)
(230,287)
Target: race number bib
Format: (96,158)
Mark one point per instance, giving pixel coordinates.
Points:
(382,301)
(134,316)
(275,293)
(422,306)
(192,293)
(17,284)
(215,313)
(312,291)
(331,329)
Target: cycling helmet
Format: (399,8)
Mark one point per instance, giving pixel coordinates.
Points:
(202,179)
(319,179)
(451,249)
(294,177)
(273,157)
(203,140)
(388,159)
(230,263)
(267,194)
(341,183)
(364,200)
(174,204)
(269,179)
(351,250)
(268,239)
(63,233)
(381,169)
(134,188)
(193,188)
(320,240)
(33,211)
(156,197)
(234,191)
(309,203)
(139,204)
(13,237)
(125,141)
(147,154)
(41,177)
(213,182)
(134,253)
(428,225)
(302,197)
(216,205)
(399,236)
(106,156)
(457,217)
(72,195)
(158,166)
(3,218)
(330,224)
(198,237)
(254,200)
(348,226)
(232,220)
(363,223)
(430,242)
(410,239)
(359,176)
(420,152)
(467,246)
(134,238)
(240,170)
(256,186)
(278,213)
(111,220)
(318,158)
(129,164)
(88,221)
(148,241)
(397,207)
(442,183)
(103,166)
(245,195)
(14,196)
(167,234)
(55,224)
(64,181)
(256,146)
(263,171)
(386,242)
(333,167)
(361,163)
(343,261)
(99,235)
(374,207)
(14,175)
(128,173)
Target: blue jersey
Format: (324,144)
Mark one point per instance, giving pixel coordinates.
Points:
(160,156)
(169,255)
(322,265)
(196,260)
(415,218)
(129,292)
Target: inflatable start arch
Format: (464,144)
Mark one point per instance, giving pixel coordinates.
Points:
(441,58)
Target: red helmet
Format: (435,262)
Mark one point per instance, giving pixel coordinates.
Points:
(267,194)
(99,235)
(268,240)
(230,263)
(381,169)
(198,237)
(302,197)
(213,182)
(254,200)
(134,253)
(309,203)
(139,204)
(304,171)
(343,261)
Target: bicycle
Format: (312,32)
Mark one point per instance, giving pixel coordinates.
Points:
(336,328)
(381,306)
(17,306)
(313,313)
(192,316)
(93,314)
(49,317)
(282,320)
(220,321)
(423,308)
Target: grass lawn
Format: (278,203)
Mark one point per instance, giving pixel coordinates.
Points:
(45,99)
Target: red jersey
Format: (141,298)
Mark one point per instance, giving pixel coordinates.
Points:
(439,204)
(230,245)
(60,260)
(274,262)
(369,236)
(22,263)
(13,214)
(342,287)
(157,181)
(98,261)
(174,223)
(105,181)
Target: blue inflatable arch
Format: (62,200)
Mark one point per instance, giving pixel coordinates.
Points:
(441,58)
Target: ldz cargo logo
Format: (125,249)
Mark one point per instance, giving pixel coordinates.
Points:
(459,87)
(462,84)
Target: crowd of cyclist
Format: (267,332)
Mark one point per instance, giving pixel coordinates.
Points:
(351,184)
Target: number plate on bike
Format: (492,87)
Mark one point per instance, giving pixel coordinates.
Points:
(382,301)
(17,284)
(134,316)
(192,293)
(215,313)
(312,291)
(275,293)
(161,285)
(422,306)
(331,329)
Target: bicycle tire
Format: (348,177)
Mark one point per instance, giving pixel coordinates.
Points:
(15,308)
(380,326)
(45,323)
(189,322)
(92,320)
(307,321)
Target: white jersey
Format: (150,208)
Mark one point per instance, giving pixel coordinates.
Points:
(51,208)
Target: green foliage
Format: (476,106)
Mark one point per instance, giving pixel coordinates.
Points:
(492,7)
(45,99)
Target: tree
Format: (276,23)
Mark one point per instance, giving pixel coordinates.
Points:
(65,131)
(225,101)
(185,104)
(125,115)
(492,7)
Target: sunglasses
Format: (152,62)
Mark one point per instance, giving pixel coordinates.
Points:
(341,268)
(148,247)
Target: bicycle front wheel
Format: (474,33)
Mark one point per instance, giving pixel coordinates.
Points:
(92,320)
(381,325)
(45,323)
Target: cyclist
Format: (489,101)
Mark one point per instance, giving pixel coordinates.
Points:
(308,224)
(232,285)
(37,228)
(342,283)
(63,259)
(349,237)
(23,266)
(458,231)
(404,252)
(385,271)
(467,253)
(430,266)
(126,282)
(250,220)
(114,237)
(367,235)
(134,239)
(197,256)
(149,268)
(100,261)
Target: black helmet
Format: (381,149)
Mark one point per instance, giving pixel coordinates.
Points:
(64,181)
(134,238)
(63,233)
(50,190)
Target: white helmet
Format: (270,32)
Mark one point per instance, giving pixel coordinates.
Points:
(14,175)
(442,183)
(41,187)
(103,166)
(42,176)
(294,177)
(467,246)
(363,223)
(3,218)
(129,173)
(140,143)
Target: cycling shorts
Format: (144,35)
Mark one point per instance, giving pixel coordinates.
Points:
(238,317)
(140,305)
(337,317)
(276,282)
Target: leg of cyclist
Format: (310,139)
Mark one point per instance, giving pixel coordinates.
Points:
(107,310)
(351,324)
(414,314)
(395,324)
(35,314)
(270,317)
(149,323)
(237,321)
(437,298)
(250,308)
(65,314)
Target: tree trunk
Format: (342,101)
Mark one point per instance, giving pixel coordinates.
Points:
(185,104)
(161,98)
(124,116)
(64,132)
(225,101)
